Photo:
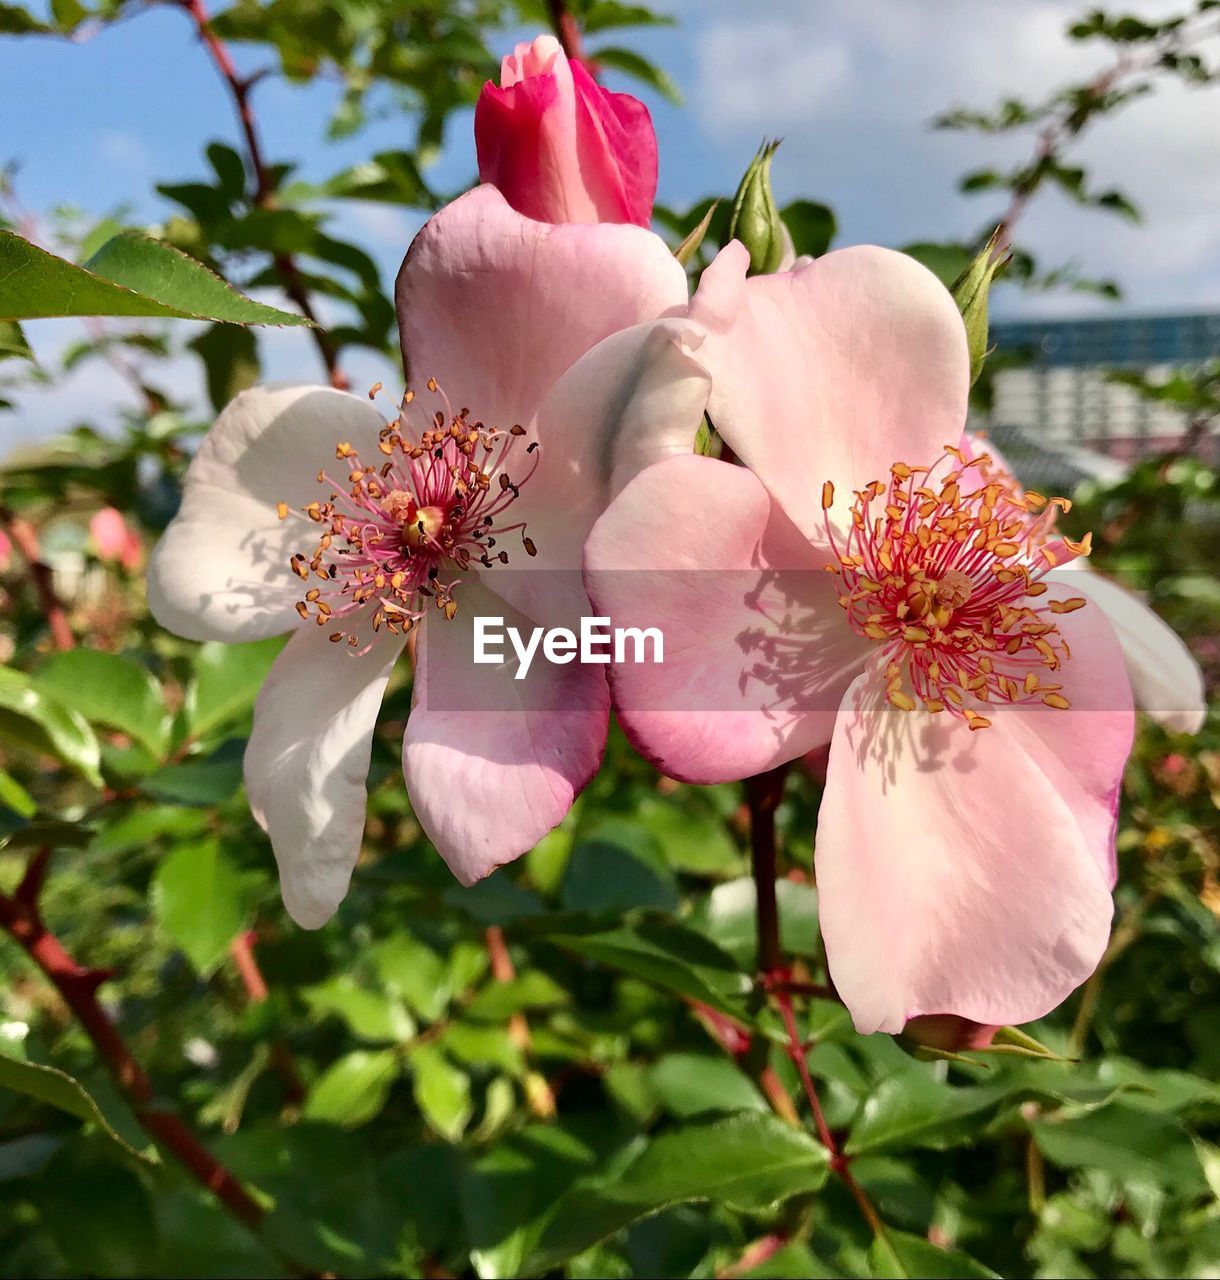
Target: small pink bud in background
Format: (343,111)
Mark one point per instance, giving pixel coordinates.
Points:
(114,540)
(949,1032)
(6,551)
(560,147)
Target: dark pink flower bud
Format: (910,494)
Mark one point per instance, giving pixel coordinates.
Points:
(949,1032)
(114,540)
(560,147)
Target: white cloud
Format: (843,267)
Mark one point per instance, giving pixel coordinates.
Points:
(852,90)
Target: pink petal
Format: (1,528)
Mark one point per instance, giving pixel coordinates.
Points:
(220,571)
(493,763)
(307,762)
(754,665)
(496,306)
(964,872)
(833,371)
(636,398)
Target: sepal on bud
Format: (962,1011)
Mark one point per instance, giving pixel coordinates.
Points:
(947,1036)
(970,292)
(756,221)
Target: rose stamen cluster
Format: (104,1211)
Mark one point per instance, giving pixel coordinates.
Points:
(946,576)
(393,532)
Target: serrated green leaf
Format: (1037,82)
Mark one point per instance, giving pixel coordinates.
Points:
(352,1091)
(227,680)
(59,1090)
(197,899)
(898,1255)
(442,1091)
(131,275)
(641,69)
(35,720)
(13,345)
(670,956)
(110,690)
(748,1161)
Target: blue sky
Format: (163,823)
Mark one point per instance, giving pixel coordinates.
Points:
(851,88)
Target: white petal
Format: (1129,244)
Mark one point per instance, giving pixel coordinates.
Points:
(220,571)
(633,400)
(307,762)
(1165,678)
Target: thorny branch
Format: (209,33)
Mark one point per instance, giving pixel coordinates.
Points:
(78,985)
(763,794)
(25,539)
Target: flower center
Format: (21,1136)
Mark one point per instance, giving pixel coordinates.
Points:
(393,533)
(945,575)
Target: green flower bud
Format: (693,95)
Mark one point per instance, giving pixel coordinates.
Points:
(970,292)
(756,221)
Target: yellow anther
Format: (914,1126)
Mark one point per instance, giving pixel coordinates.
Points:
(903,701)
(1056,700)
(828,495)
(281,510)
(1067,606)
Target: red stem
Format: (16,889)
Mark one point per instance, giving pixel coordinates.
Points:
(78,985)
(264,193)
(567,29)
(25,539)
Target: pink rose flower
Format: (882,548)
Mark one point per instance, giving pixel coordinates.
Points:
(531,350)
(559,146)
(114,539)
(848,585)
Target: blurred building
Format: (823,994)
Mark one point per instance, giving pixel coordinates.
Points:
(1057,409)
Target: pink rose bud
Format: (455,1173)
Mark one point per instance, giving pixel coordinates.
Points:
(113,539)
(949,1032)
(560,147)
(6,551)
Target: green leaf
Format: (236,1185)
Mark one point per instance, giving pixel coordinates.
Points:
(352,1091)
(370,1015)
(110,690)
(1125,1142)
(16,21)
(131,275)
(13,345)
(945,261)
(230,361)
(693,1083)
(912,1109)
(669,956)
(530,990)
(643,70)
(197,900)
(726,915)
(98,1214)
(227,680)
(57,1089)
(970,291)
(812,226)
(442,1091)
(199,782)
(34,720)
(747,1161)
(690,840)
(896,1255)
(605,15)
